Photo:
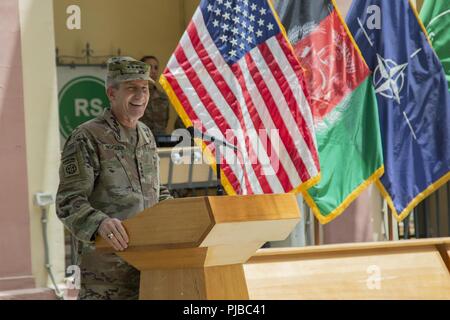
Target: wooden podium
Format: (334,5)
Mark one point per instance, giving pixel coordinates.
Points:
(195,248)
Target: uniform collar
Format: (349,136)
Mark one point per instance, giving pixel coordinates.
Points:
(111,120)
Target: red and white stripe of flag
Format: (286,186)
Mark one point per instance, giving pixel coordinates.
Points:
(258,103)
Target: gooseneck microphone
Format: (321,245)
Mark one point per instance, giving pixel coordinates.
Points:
(195,133)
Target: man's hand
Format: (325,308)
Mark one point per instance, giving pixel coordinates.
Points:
(114,233)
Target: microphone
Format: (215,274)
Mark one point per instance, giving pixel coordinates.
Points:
(194,132)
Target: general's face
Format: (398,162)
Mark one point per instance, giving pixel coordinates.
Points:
(129,100)
(154,68)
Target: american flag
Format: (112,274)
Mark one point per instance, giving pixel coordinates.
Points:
(235,76)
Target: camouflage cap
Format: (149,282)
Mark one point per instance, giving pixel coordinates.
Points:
(126,69)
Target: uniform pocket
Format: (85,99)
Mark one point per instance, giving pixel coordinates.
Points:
(157,175)
(115,176)
(150,165)
(125,169)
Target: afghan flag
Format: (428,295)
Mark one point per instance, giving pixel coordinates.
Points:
(343,103)
(435,15)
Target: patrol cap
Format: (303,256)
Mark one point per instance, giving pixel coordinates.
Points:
(122,69)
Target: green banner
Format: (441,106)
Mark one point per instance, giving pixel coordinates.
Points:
(435,15)
(81,99)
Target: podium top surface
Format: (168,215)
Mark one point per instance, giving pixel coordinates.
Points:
(212,220)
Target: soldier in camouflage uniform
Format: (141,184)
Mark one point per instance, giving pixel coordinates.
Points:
(110,172)
(156,114)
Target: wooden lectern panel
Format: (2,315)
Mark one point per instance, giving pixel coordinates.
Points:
(249,219)
(194,248)
(176,223)
(211,283)
(447,257)
(203,248)
(393,270)
(254,208)
(190,257)
(211,221)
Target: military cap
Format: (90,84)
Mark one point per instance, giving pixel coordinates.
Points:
(126,69)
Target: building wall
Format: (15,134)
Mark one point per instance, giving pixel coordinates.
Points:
(137,27)
(15,261)
(42,133)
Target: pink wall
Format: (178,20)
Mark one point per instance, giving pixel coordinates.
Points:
(15,254)
(354,224)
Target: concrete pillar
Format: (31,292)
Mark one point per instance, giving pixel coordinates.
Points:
(15,251)
(42,132)
(29,149)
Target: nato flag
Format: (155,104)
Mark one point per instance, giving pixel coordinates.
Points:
(413,100)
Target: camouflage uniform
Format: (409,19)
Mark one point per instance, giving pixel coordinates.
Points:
(156,114)
(106,172)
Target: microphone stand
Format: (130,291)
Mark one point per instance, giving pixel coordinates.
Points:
(217,143)
(220,191)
